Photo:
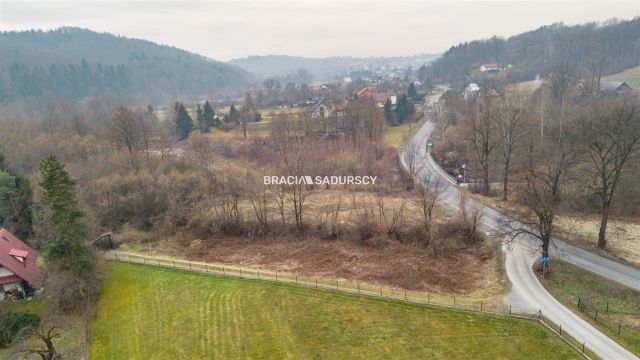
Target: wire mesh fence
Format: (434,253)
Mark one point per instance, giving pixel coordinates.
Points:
(360,288)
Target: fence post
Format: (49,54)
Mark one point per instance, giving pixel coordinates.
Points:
(174,264)
(454,302)
(129,258)
(578,303)
(583,347)
(116,254)
(276,276)
(206,267)
(596,314)
(619,326)
(223,272)
(240,272)
(189,266)
(358,288)
(428,298)
(480,305)
(296,278)
(607,305)
(337,286)
(509,309)
(405,295)
(316,282)
(381,291)
(560,329)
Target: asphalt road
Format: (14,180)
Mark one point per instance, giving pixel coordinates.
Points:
(527,295)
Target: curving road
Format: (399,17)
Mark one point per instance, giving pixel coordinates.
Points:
(527,295)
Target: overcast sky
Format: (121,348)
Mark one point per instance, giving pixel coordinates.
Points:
(225,30)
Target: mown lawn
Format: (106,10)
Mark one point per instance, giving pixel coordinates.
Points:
(395,135)
(568,282)
(152,313)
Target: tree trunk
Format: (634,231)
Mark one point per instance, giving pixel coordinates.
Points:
(602,233)
(505,181)
(485,179)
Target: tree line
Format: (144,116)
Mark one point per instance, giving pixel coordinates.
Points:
(612,46)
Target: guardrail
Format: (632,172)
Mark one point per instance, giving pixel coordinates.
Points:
(441,171)
(355,288)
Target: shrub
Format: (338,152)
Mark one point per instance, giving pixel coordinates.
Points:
(11,323)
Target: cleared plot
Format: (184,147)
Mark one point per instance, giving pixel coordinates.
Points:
(151,313)
(395,135)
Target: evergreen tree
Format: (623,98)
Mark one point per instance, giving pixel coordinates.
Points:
(404,109)
(66,249)
(209,116)
(16,199)
(388,112)
(184,123)
(234,115)
(412,92)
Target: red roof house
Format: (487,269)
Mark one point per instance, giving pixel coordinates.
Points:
(17,265)
(364,93)
(489,67)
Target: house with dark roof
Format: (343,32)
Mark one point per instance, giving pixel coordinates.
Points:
(619,87)
(19,274)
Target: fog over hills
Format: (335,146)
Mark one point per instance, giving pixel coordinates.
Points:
(324,68)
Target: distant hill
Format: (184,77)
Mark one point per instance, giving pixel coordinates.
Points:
(77,63)
(324,68)
(614,44)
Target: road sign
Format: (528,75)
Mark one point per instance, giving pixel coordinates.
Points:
(544,259)
(429,143)
(427,180)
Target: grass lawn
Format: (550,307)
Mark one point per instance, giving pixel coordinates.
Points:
(395,135)
(153,313)
(568,282)
(630,76)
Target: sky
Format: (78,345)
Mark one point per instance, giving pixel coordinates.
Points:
(224,30)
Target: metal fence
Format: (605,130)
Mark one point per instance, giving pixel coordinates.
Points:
(358,288)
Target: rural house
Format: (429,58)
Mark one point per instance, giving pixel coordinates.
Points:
(619,87)
(489,68)
(321,109)
(364,93)
(19,275)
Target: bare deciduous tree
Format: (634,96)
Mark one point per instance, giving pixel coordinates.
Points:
(469,218)
(411,157)
(541,185)
(609,129)
(509,125)
(483,136)
(426,200)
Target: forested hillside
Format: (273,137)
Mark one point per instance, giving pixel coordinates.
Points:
(609,47)
(77,63)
